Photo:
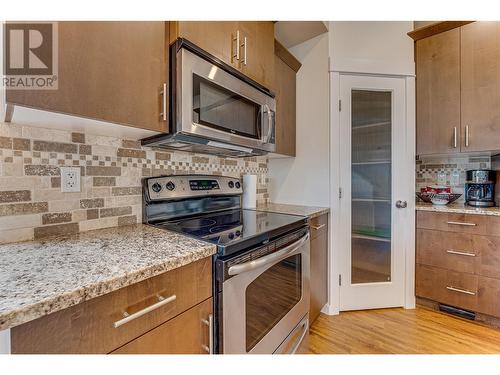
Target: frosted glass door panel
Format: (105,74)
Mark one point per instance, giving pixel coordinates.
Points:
(371,186)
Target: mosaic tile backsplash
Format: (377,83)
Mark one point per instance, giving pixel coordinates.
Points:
(32,205)
(433,170)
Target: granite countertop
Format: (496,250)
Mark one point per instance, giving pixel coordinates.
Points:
(458,208)
(290,209)
(41,277)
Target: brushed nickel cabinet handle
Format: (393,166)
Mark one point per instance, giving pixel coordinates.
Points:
(467,136)
(236,55)
(460,223)
(464,291)
(461,253)
(318,227)
(210,323)
(455,137)
(163,93)
(128,318)
(244,50)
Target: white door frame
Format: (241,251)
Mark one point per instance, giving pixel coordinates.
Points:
(333,306)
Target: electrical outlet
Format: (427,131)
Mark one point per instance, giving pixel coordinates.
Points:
(70,179)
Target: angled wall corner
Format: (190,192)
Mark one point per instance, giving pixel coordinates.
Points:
(371,47)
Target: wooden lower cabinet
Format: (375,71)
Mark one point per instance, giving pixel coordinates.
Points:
(89,327)
(460,268)
(453,288)
(319,266)
(187,333)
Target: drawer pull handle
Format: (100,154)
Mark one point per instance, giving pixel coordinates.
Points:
(464,291)
(460,223)
(129,317)
(461,253)
(318,227)
(210,324)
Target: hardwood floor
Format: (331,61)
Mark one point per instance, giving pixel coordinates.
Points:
(399,331)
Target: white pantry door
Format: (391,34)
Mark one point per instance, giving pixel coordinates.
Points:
(372,181)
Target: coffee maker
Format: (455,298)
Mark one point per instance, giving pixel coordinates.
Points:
(480,188)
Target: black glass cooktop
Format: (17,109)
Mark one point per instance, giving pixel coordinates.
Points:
(234,230)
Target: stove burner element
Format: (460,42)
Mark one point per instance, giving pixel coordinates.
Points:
(198,223)
(221,228)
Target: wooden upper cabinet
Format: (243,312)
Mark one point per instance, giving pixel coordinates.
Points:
(285,89)
(480,64)
(109,71)
(257,62)
(255,58)
(213,36)
(438,93)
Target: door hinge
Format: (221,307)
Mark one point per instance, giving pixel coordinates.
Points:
(340,105)
(340,193)
(340,280)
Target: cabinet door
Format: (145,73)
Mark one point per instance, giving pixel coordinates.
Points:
(187,333)
(438,93)
(110,71)
(212,36)
(319,268)
(257,62)
(285,89)
(480,62)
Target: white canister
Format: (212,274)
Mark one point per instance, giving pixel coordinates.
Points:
(249,191)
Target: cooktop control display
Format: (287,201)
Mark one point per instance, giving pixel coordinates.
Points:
(203,184)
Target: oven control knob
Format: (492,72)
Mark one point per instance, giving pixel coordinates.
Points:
(238,185)
(156,187)
(238,233)
(170,185)
(231,184)
(231,236)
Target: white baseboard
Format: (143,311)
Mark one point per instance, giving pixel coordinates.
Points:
(329,310)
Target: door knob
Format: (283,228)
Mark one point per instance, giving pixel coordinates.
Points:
(401,204)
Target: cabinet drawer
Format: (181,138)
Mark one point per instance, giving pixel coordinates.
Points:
(187,333)
(450,287)
(452,251)
(319,225)
(460,252)
(460,223)
(90,326)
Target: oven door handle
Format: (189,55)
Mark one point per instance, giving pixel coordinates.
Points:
(271,258)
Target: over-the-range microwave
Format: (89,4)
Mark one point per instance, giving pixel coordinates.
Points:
(214,108)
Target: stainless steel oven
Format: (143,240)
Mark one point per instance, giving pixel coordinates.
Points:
(215,108)
(265,297)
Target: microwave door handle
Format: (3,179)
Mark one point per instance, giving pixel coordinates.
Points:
(260,130)
(269,123)
(271,258)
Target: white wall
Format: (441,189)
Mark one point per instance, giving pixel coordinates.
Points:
(305,178)
(375,47)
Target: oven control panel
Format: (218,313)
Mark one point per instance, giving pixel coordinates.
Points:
(178,187)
